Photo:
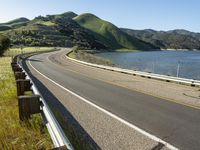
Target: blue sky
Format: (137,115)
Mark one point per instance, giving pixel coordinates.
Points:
(135,14)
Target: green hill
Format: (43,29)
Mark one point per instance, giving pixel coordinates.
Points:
(66,14)
(174,39)
(88,31)
(109,34)
(19,20)
(54,30)
(16,23)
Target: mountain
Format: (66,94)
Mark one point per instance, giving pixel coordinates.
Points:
(69,14)
(109,34)
(88,31)
(14,24)
(54,30)
(63,15)
(174,39)
(19,20)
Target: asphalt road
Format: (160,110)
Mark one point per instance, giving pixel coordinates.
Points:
(176,124)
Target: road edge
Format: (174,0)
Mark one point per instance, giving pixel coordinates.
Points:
(153,137)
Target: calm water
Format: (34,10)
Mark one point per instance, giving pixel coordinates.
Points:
(184,64)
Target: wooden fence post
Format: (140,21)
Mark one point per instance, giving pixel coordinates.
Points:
(28,105)
(16,68)
(20,75)
(22,86)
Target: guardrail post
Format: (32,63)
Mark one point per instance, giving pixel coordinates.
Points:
(20,75)
(16,68)
(13,63)
(22,86)
(28,105)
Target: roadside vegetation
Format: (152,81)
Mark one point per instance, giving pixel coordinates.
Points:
(4,44)
(87,56)
(20,50)
(14,134)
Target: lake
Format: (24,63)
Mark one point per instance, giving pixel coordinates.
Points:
(185,64)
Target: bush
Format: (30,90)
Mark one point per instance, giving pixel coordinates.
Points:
(4,44)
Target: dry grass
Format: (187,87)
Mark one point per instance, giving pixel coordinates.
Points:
(13,133)
(14,51)
(87,57)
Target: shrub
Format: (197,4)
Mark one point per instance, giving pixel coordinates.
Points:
(4,44)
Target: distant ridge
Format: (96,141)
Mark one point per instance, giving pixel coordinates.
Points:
(69,14)
(19,20)
(173,39)
(14,24)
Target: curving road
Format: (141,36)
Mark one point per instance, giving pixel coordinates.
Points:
(176,124)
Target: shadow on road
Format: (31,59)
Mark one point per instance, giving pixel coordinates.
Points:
(78,137)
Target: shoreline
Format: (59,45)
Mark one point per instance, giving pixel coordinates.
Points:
(104,61)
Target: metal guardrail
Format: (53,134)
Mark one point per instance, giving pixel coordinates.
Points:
(143,74)
(57,134)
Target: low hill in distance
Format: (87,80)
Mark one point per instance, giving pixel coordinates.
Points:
(14,24)
(174,39)
(19,20)
(109,34)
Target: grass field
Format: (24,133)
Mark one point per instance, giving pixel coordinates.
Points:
(14,51)
(14,134)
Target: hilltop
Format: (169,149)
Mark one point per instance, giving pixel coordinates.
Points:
(109,34)
(16,23)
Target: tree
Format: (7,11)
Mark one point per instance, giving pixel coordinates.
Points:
(4,44)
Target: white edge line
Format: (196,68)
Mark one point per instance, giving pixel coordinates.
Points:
(153,137)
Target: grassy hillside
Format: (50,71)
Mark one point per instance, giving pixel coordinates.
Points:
(85,31)
(66,14)
(109,34)
(16,23)
(19,20)
(54,30)
(174,39)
